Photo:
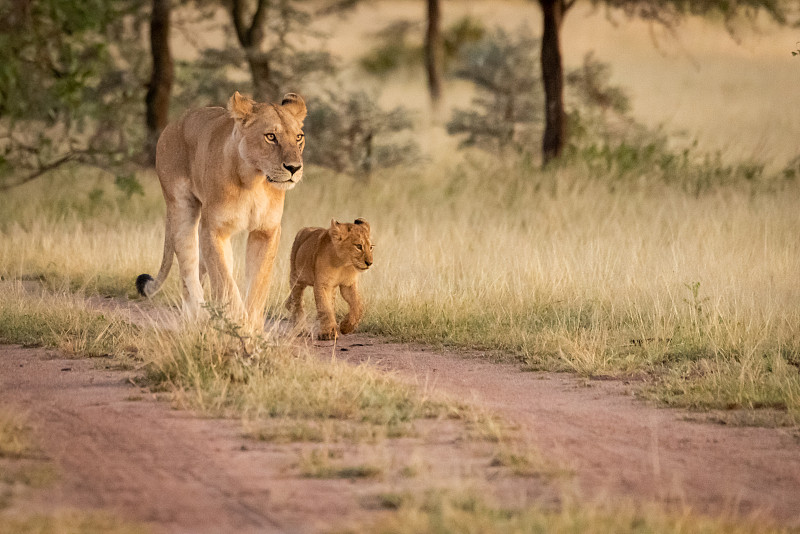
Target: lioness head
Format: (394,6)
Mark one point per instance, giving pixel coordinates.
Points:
(351,242)
(271,138)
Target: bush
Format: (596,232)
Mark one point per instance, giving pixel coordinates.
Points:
(348,132)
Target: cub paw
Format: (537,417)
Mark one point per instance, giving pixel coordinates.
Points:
(347,326)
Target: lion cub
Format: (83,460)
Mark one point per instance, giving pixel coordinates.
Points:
(327,258)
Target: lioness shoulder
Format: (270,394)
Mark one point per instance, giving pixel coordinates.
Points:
(327,258)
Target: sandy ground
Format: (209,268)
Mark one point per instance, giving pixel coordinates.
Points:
(116,447)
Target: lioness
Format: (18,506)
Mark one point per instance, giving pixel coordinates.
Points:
(326,258)
(223,171)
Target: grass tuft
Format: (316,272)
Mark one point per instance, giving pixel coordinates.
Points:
(15,441)
(441,512)
(211,368)
(323,464)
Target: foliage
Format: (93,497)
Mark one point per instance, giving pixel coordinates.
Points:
(396,49)
(68,87)
(506,112)
(289,49)
(393,50)
(669,13)
(349,132)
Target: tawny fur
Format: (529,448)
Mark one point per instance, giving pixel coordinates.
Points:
(223,171)
(327,258)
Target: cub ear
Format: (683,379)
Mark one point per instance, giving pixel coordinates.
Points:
(240,107)
(362,222)
(295,105)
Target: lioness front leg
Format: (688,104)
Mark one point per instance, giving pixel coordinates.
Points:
(355,311)
(262,245)
(323,296)
(217,258)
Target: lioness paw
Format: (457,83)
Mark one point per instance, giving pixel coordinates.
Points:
(327,334)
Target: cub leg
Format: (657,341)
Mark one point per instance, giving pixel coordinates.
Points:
(184,214)
(356,310)
(323,296)
(217,258)
(262,245)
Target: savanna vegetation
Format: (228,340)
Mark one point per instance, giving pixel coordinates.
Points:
(630,254)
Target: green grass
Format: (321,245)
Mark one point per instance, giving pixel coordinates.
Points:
(439,512)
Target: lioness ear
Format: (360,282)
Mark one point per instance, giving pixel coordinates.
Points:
(295,105)
(335,230)
(240,107)
(362,222)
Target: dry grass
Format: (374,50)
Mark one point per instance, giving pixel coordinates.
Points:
(437,512)
(281,388)
(14,435)
(557,269)
(70,522)
(30,316)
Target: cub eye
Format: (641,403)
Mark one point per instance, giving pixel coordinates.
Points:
(300,137)
(359,247)
(371,247)
(270,137)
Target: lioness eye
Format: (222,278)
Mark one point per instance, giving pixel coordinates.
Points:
(299,137)
(270,137)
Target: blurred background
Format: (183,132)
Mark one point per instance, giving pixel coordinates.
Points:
(388,82)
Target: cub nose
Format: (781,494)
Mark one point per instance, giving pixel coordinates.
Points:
(367,262)
(292,168)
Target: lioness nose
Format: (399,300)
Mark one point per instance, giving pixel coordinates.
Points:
(292,168)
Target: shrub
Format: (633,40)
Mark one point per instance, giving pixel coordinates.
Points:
(348,132)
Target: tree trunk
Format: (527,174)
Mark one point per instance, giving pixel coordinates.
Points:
(553,79)
(434,51)
(264,90)
(251,38)
(160,86)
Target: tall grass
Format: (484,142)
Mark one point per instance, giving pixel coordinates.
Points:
(576,268)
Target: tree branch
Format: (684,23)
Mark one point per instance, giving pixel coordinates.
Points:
(84,157)
(41,171)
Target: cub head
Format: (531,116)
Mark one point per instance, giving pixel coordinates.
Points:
(351,242)
(270,137)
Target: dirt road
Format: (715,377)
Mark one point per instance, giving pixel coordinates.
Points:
(117,449)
